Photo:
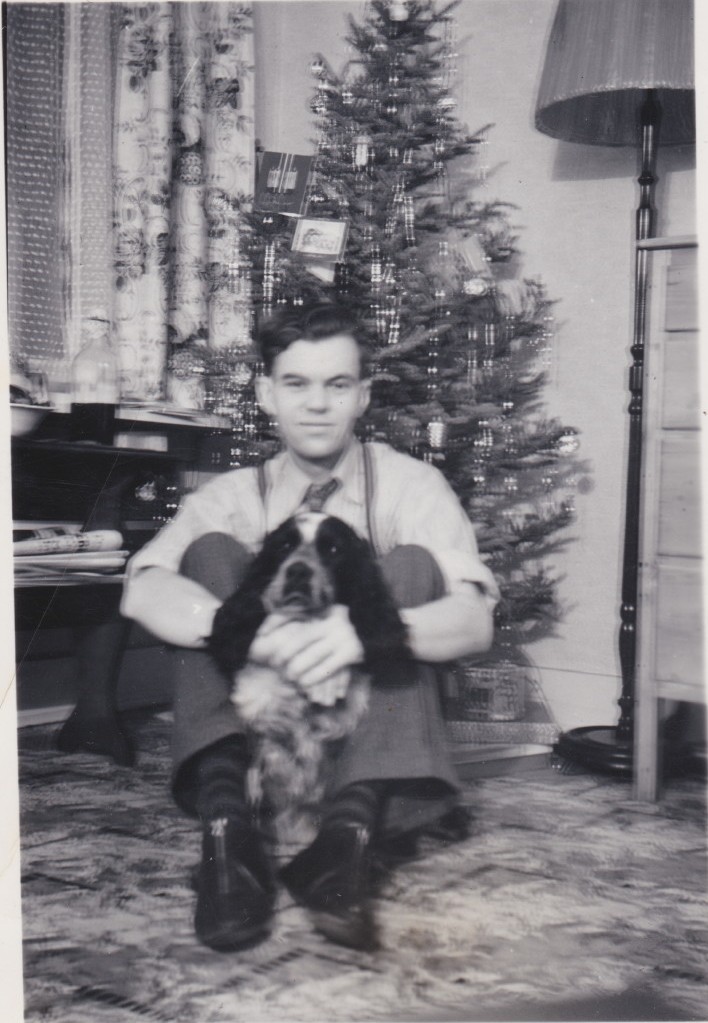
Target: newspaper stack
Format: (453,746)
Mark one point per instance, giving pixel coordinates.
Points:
(61,551)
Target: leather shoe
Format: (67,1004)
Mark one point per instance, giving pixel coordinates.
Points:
(332,879)
(235,887)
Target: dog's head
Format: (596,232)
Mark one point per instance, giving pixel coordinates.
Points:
(314,556)
(307,564)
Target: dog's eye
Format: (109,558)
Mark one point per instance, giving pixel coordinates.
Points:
(283,545)
(332,548)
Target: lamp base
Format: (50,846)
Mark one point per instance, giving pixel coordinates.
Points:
(598,749)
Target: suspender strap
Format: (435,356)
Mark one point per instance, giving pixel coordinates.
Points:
(262,483)
(369,491)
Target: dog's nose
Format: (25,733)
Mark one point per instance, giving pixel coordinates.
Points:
(298,575)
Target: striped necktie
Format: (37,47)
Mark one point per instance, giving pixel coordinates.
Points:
(318,493)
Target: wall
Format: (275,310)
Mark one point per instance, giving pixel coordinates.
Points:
(575,221)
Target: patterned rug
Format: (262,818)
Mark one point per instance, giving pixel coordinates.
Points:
(567,898)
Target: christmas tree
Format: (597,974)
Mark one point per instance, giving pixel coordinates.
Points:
(458,342)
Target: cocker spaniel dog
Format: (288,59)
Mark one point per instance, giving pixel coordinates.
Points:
(311,562)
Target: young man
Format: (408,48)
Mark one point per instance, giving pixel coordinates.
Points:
(393,772)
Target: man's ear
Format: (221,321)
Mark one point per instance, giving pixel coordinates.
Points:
(264,394)
(364,395)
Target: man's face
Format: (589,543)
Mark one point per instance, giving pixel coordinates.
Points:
(316,394)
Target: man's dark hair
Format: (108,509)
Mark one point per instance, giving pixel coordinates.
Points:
(310,322)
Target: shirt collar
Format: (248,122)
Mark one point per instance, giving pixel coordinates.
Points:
(289,478)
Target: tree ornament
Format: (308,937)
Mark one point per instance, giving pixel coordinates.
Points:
(268,276)
(316,197)
(437,433)
(490,344)
(398,10)
(475,287)
(362,144)
(472,369)
(342,278)
(241,370)
(409,219)
(391,220)
(376,266)
(433,367)
(567,443)
(394,327)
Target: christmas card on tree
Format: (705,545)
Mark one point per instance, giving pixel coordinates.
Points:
(323,242)
(281,183)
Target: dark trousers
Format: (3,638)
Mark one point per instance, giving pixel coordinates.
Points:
(401,738)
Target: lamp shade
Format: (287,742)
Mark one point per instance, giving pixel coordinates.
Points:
(602,57)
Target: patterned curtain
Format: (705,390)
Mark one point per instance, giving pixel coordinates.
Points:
(87,194)
(34,142)
(184,158)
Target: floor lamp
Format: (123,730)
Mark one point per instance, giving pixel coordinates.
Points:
(620,73)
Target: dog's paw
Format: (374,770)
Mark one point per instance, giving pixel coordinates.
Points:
(255,691)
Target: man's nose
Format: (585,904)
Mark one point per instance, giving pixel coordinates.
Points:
(317,397)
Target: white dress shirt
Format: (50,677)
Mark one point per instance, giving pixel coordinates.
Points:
(412,504)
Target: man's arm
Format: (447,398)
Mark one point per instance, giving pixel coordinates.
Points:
(427,513)
(314,652)
(452,626)
(175,609)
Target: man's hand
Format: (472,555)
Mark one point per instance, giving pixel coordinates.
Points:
(314,654)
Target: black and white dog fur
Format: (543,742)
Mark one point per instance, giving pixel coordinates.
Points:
(311,562)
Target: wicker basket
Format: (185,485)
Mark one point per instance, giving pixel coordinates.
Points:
(494,693)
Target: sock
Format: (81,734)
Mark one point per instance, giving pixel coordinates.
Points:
(359,803)
(220,775)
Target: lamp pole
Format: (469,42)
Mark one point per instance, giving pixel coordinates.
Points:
(612,749)
(649,117)
(614,72)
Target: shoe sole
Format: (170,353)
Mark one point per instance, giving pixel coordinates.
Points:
(230,939)
(232,934)
(359,934)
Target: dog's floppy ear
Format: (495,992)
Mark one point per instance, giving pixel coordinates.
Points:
(235,625)
(241,615)
(375,618)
